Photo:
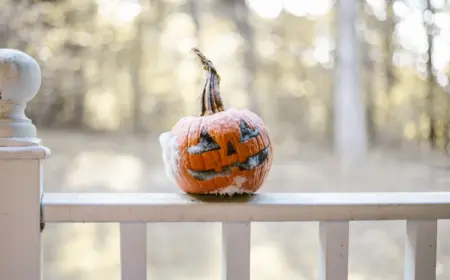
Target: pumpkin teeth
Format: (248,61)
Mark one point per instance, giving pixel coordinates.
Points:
(251,163)
(209,174)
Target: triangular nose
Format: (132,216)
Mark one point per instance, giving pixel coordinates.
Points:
(230,149)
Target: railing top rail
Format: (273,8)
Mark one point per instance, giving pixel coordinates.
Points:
(172,207)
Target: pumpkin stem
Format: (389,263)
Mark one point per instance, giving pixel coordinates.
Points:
(211,101)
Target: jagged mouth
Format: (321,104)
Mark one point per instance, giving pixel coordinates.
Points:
(252,162)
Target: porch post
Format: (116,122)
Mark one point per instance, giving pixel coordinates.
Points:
(20,169)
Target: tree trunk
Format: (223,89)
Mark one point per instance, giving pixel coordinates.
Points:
(135,70)
(194,10)
(241,19)
(350,134)
(390,78)
(430,78)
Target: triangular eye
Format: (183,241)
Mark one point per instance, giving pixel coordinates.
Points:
(205,144)
(246,132)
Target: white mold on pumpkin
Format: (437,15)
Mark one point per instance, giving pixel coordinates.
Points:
(170,154)
(233,189)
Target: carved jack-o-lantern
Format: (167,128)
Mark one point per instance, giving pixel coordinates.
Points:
(221,151)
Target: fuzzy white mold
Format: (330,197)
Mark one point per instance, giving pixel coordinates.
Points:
(170,154)
(233,189)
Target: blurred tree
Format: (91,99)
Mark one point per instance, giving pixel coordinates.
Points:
(123,65)
(428,21)
(349,109)
(240,16)
(238,12)
(370,24)
(135,70)
(389,49)
(194,10)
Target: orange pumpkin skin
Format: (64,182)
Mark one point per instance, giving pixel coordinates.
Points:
(218,152)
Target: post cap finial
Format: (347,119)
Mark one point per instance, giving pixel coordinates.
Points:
(20,76)
(20,80)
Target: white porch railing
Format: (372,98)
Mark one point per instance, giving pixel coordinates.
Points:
(333,210)
(21,189)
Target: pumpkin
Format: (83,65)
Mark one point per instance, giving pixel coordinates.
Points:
(219,152)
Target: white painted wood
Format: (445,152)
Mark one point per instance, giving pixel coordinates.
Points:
(420,250)
(333,253)
(20,79)
(133,251)
(236,251)
(160,207)
(20,237)
(20,169)
(30,152)
(350,134)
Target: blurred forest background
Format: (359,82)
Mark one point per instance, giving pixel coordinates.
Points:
(126,66)
(117,73)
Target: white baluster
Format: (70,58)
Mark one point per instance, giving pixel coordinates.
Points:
(333,255)
(420,250)
(236,251)
(133,251)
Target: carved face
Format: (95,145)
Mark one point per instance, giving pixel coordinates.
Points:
(228,152)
